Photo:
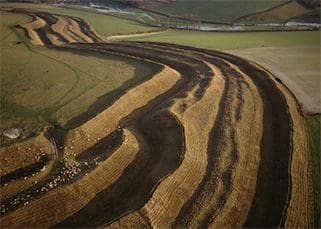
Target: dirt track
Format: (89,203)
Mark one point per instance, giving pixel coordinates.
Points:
(162,139)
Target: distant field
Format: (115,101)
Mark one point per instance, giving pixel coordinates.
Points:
(314,128)
(54,86)
(104,24)
(127,12)
(217,11)
(297,66)
(228,41)
(279,14)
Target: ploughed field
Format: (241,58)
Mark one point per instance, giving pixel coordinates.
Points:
(211,140)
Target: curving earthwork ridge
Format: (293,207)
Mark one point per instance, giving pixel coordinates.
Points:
(212,140)
(52,29)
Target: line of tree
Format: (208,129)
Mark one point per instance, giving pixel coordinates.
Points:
(188,21)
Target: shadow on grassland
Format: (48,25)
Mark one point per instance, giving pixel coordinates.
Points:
(106,100)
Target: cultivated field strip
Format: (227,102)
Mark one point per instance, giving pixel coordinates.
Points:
(209,141)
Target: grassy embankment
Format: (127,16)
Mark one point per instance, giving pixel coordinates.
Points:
(313,124)
(41,85)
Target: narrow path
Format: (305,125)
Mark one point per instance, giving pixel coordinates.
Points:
(119,37)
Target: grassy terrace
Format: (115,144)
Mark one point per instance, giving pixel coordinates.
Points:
(229,41)
(313,124)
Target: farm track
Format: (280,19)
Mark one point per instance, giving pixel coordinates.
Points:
(157,124)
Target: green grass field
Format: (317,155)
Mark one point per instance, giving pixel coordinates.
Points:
(298,66)
(40,85)
(217,11)
(132,14)
(104,24)
(313,124)
(229,41)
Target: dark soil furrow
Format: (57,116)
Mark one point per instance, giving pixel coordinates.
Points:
(153,165)
(276,148)
(64,173)
(86,29)
(199,209)
(133,188)
(161,152)
(47,29)
(104,147)
(25,171)
(205,73)
(276,145)
(70,31)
